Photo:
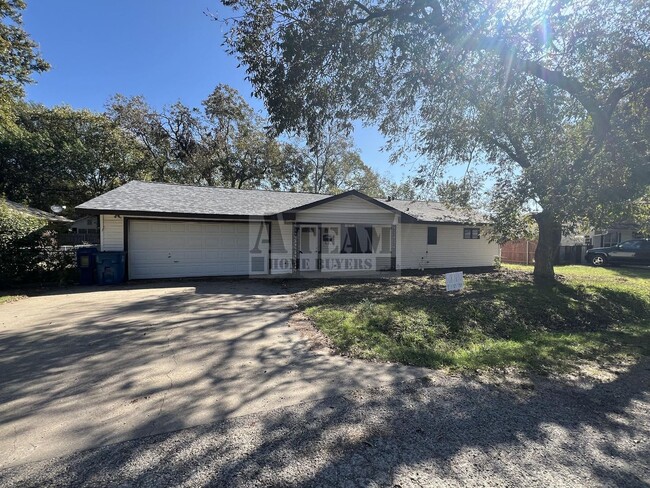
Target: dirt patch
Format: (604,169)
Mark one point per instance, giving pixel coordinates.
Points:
(317,341)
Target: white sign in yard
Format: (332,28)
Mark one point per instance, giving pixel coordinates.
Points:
(455,281)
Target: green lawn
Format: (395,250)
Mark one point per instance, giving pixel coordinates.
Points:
(500,319)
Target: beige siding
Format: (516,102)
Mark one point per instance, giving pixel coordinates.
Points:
(347,210)
(412,249)
(452,251)
(111,233)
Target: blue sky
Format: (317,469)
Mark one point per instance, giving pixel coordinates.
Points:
(166,50)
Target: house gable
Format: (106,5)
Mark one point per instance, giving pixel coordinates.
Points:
(347,209)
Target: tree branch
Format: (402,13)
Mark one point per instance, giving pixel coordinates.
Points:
(471,41)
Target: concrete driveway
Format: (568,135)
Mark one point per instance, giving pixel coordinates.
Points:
(104,365)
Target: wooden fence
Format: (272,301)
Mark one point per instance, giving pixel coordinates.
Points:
(523,252)
(77,239)
(518,252)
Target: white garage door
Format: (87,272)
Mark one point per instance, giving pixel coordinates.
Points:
(169,249)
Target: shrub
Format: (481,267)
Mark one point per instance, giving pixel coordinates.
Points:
(29,251)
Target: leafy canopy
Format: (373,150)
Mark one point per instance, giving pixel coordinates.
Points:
(552,93)
(19,58)
(64,156)
(224,142)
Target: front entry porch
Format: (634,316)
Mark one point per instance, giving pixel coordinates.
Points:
(347,248)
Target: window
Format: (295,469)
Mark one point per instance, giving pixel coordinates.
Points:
(471,233)
(631,245)
(432,236)
(611,239)
(356,239)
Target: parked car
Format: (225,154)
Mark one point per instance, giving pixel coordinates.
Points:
(636,251)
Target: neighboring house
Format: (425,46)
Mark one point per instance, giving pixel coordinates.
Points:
(572,248)
(184,231)
(82,232)
(35,212)
(613,235)
(88,224)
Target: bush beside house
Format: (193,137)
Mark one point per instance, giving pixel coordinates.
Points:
(29,253)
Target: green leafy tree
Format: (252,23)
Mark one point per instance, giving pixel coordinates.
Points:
(19,59)
(247,156)
(64,156)
(553,95)
(17,230)
(223,143)
(404,190)
(334,165)
(352,173)
(28,250)
(147,126)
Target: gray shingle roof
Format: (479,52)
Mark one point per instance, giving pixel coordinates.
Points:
(35,212)
(164,198)
(138,196)
(435,212)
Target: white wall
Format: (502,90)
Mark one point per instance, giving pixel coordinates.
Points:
(626,235)
(347,210)
(111,230)
(412,250)
(452,251)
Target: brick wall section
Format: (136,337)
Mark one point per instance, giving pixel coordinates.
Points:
(518,252)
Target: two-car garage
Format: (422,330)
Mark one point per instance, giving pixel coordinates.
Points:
(175,249)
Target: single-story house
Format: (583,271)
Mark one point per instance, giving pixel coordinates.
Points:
(36,212)
(88,224)
(169,230)
(614,234)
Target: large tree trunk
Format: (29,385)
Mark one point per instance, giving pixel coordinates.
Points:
(550,235)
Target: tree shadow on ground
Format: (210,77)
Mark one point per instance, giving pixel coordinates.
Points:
(458,433)
(135,361)
(454,431)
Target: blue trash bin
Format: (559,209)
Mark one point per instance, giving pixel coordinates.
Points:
(87,265)
(110,268)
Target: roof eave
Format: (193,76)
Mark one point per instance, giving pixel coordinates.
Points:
(174,215)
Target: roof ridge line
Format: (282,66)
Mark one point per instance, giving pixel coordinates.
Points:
(188,185)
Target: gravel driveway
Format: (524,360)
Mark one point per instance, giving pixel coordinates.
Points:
(104,365)
(450,431)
